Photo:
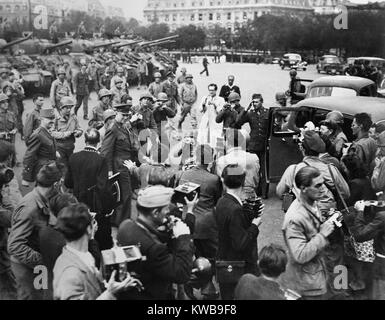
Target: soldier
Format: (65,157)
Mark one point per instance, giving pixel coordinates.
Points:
(182,78)
(188,94)
(41,147)
(161,113)
(12,107)
(66,130)
(229,88)
(119,77)
(105,79)
(156,87)
(105,98)
(93,74)
(144,118)
(60,88)
(32,121)
(120,144)
(81,91)
(109,120)
(7,121)
(170,88)
(118,91)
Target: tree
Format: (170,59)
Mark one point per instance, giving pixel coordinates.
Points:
(218,34)
(190,37)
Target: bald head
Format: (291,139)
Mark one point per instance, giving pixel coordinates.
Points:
(231,79)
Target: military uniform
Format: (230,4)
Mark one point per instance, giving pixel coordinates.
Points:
(64,136)
(59,90)
(97,116)
(81,87)
(120,144)
(40,150)
(171,89)
(7,124)
(32,122)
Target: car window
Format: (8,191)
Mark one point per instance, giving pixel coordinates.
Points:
(332,60)
(368,91)
(331,91)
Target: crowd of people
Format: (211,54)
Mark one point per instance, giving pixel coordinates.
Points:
(72,215)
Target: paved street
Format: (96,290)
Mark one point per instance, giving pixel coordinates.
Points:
(251,78)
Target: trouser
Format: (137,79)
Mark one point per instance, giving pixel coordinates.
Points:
(7,286)
(205,70)
(82,98)
(186,109)
(25,282)
(227,290)
(142,79)
(19,116)
(262,186)
(65,153)
(103,234)
(124,212)
(91,85)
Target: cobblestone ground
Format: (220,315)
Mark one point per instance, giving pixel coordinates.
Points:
(251,78)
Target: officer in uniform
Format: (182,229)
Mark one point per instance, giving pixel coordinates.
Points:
(105,98)
(7,121)
(41,147)
(120,143)
(66,130)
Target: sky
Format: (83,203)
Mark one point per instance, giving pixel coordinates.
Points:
(134,8)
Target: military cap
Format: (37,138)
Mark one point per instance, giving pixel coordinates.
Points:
(157,75)
(189,76)
(66,101)
(48,113)
(146,95)
(104,92)
(233,96)
(155,197)
(122,107)
(162,97)
(109,113)
(3,97)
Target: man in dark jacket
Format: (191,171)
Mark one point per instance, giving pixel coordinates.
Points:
(32,214)
(237,234)
(120,143)
(229,88)
(41,147)
(88,169)
(230,112)
(81,80)
(167,261)
(258,118)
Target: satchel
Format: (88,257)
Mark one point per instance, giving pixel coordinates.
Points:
(229,271)
(364,251)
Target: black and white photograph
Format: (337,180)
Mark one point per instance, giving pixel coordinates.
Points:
(204,151)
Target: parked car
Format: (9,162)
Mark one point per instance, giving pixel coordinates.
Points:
(282,149)
(341,86)
(292,61)
(275,61)
(330,64)
(368,67)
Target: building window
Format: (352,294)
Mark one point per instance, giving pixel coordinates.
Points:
(1,8)
(182,4)
(192,17)
(200,17)
(8,8)
(174,16)
(229,16)
(174,5)
(17,7)
(201,4)
(211,3)
(210,16)
(193,4)
(218,16)
(245,16)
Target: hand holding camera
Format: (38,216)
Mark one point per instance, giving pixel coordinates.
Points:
(327,228)
(114,287)
(180,228)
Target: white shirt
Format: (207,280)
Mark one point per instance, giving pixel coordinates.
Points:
(85,257)
(235,196)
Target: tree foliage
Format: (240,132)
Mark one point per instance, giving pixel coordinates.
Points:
(191,37)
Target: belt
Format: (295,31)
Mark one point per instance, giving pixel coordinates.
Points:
(380,255)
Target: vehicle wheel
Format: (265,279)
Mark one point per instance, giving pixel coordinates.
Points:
(304,69)
(282,67)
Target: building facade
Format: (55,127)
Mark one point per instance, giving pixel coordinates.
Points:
(226,13)
(326,7)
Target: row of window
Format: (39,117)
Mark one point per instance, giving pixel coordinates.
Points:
(211,16)
(236,2)
(16,7)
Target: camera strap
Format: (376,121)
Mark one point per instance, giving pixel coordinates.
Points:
(337,189)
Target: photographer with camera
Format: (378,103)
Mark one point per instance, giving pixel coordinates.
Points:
(167,260)
(306,236)
(230,112)
(75,274)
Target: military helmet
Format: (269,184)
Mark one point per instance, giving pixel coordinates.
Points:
(119,69)
(233,96)
(66,101)
(104,93)
(335,116)
(109,113)
(3,97)
(146,95)
(162,97)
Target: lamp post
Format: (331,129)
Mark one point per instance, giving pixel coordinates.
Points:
(30,16)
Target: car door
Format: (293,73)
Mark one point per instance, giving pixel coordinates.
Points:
(281,148)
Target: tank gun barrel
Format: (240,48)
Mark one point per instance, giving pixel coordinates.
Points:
(14,42)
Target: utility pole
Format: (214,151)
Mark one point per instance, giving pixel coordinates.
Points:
(30,16)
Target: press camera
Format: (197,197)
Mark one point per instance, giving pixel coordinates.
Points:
(253,208)
(188,190)
(121,259)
